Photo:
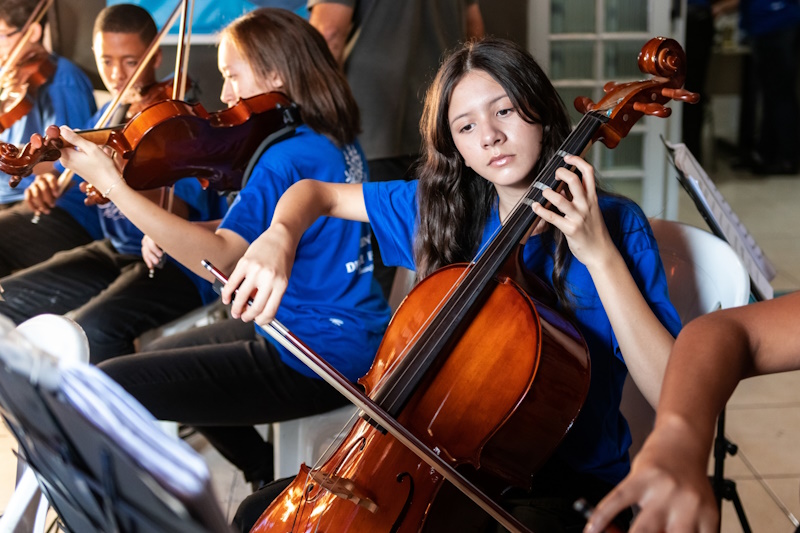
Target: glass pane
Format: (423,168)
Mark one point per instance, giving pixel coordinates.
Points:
(631,188)
(628,154)
(571,16)
(621,60)
(626,15)
(568,94)
(572,60)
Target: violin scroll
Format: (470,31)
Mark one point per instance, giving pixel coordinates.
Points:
(626,103)
(19,163)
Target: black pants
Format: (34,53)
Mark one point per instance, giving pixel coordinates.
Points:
(223,379)
(776,68)
(24,244)
(109,294)
(699,41)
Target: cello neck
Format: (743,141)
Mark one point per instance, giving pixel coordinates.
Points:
(443,327)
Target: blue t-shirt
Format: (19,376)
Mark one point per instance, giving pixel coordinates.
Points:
(127,238)
(759,17)
(67,98)
(72,201)
(332,302)
(599,440)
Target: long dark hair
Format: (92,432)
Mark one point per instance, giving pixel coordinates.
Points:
(454,201)
(277,40)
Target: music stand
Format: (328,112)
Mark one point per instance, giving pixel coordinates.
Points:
(723,223)
(98,455)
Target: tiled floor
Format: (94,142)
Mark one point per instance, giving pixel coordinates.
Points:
(763,418)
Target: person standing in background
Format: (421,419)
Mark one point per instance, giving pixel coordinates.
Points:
(772,28)
(390,52)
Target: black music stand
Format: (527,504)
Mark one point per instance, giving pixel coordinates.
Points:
(99,458)
(723,223)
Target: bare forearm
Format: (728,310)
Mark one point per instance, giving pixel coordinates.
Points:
(643,340)
(333,22)
(717,350)
(185,241)
(475,25)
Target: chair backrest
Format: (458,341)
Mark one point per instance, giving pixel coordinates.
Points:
(703,271)
(703,274)
(98,455)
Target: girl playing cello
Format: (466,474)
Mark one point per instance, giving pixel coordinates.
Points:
(222,376)
(492,120)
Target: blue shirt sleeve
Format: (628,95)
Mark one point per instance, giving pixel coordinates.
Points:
(67,98)
(392,211)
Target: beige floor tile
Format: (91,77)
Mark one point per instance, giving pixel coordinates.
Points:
(787,491)
(774,390)
(767,437)
(228,483)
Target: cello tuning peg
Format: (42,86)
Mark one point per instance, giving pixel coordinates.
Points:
(682,95)
(652,109)
(610,86)
(583,104)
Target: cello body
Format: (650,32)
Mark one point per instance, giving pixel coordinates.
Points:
(374,483)
(474,364)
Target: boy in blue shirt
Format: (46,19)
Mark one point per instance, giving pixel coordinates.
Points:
(104,284)
(65,98)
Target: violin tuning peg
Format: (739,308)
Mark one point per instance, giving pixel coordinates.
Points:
(682,95)
(652,109)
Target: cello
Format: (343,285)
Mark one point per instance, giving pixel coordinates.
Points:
(435,372)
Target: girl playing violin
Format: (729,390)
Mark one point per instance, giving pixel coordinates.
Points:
(65,98)
(102,282)
(218,377)
(492,120)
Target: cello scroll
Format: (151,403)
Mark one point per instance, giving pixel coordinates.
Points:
(625,103)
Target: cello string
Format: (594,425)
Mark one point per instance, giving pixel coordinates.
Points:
(392,380)
(546,174)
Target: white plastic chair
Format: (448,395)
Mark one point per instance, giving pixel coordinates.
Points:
(53,334)
(305,440)
(703,274)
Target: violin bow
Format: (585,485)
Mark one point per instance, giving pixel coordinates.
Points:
(178,93)
(37,14)
(376,413)
(66,177)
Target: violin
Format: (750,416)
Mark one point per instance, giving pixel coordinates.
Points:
(22,75)
(435,375)
(20,87)
(171,139)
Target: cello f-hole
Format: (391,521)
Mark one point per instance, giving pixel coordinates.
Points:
(401,516)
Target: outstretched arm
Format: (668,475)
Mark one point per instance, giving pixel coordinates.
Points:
(185,241)
(642,337)
(267,263)
(333,21)
(712,353)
